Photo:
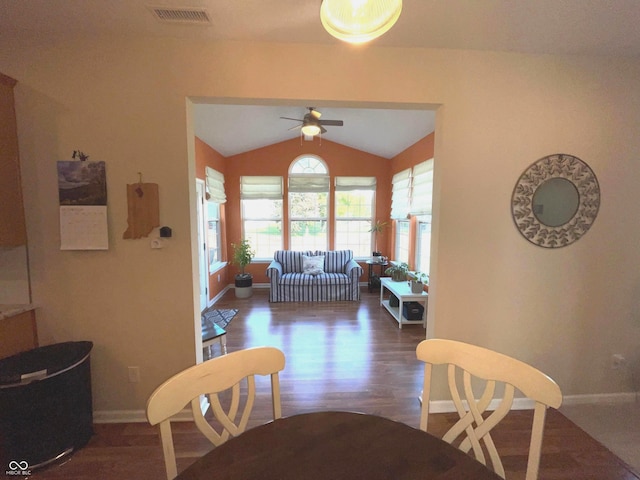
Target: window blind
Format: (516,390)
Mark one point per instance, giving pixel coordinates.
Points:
(252,187)
(422,188)
(400,184)
(215,186)
(355,183)
(315,183)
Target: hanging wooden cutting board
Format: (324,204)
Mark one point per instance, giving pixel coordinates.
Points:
(143,209)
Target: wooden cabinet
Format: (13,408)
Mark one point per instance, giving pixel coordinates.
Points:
(18,333)
(12,224)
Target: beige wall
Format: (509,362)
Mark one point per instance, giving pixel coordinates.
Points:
(565,311)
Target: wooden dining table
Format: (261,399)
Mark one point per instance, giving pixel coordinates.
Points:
(336,446)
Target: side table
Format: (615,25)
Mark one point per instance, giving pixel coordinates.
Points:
(403,292)
(372,274)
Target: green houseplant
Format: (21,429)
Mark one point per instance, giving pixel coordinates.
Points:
(377,228)
(242,256)
(398,271)
(418,281)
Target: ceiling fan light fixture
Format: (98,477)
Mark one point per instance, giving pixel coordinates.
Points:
(310,129)
(359,21)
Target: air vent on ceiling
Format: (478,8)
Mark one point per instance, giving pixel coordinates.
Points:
(194,16)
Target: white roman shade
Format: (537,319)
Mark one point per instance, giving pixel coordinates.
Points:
(400,184)
(344,184)
(422,188)
(311,183)
(215,186)
(261,187)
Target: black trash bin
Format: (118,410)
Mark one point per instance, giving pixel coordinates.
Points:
(45,404)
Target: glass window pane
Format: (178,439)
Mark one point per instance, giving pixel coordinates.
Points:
(308,205)
(308,235)
(354,235)
(213,232)
(309,165)
(265,236)
(354,204)
(423,250)
(402,242)
(262,225)
(354,216)
(256,209)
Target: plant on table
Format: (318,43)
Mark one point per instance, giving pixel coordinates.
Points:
(418,281)
(377,228)
(398,271)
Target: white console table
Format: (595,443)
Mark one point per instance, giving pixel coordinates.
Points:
(402,290)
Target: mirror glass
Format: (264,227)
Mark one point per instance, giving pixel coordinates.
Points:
(555,202)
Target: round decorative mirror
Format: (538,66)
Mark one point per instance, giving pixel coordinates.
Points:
(555,201)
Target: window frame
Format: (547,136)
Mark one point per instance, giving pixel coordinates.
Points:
(347,185)
(263,188)
(313,179)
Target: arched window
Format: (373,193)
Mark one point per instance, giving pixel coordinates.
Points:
(308,203)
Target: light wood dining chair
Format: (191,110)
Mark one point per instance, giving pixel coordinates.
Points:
(468,363)
(227,373)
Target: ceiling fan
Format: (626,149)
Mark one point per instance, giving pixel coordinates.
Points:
(311,124)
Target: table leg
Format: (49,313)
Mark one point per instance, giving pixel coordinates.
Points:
(223,344)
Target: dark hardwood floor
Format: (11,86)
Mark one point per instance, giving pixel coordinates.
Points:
(340,356)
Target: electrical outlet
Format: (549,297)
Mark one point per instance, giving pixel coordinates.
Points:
(134,374)
(618,361)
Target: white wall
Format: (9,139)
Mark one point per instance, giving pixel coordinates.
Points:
(564,311)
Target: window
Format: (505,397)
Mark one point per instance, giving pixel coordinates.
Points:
(421,200)
(213,233)
(308,203)
(402,241)
(422,188)
(215,194)
(215,186)
(261,203)
(423,244)
(354,197)
(400,184)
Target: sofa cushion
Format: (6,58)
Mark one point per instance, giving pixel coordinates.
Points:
(291,260)
(333,279)
(335,261)
(313,265)
(297,279)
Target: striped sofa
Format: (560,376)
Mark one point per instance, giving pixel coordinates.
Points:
(337,280)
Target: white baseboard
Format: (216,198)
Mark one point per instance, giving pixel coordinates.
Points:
(601,398)
(134,416)
(447,406)
(140,416)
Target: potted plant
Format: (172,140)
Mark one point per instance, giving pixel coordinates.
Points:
(398,271)
(418,281)
(242,256)
(376,229)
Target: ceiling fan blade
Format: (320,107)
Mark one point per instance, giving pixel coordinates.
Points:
(294,127)
(331,123)
(322,129)
(294,119)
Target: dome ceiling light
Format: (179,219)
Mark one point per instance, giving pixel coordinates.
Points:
(359,21)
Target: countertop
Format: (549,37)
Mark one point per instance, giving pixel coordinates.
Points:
(7,311)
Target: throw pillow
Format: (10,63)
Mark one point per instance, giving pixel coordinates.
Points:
(313,265)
